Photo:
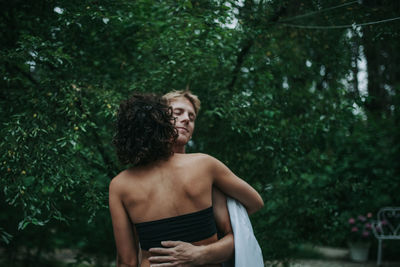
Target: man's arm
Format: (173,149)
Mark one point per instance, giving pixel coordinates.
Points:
(177,253)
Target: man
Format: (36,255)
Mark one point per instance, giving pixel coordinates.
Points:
(185,107)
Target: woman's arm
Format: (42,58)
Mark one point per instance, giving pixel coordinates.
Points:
(233,186)
(126,243)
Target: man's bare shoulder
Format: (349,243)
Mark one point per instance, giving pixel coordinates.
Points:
(199,156)
(204,160)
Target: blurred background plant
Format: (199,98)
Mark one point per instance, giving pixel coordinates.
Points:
(300,98)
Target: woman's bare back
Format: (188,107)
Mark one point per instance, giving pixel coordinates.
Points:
(166,189)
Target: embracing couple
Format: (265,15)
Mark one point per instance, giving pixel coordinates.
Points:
(168,206)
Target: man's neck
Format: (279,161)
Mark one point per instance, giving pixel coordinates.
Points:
(179,149)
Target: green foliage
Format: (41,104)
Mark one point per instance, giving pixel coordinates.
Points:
(280,106)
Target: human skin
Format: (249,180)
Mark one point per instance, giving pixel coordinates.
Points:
(185,117)
(143,194)
(185,254)
(176,253)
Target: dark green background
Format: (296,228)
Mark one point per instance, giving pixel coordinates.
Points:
(280,106)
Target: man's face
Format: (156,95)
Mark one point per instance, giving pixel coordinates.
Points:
(183,112)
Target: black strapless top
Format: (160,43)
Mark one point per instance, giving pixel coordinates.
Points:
(189,227)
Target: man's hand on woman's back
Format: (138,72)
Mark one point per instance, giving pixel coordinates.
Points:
(176,253)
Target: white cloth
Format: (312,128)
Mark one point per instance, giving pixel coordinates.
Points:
(247,250)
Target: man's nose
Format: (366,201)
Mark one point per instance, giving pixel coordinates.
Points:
(185,117)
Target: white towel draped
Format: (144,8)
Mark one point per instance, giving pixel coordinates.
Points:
(247,250)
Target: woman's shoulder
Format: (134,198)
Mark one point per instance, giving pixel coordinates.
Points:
(116,181)
(120,180)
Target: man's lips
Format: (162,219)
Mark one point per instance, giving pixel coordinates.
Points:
(182,128)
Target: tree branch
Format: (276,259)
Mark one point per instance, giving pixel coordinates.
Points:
(247,44)
(239,61)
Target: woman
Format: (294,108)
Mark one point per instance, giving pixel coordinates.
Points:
(164,196)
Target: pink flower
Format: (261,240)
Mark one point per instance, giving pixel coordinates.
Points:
(369,215)
(362,218)
(354,229)
(368,226)
(365,234)
(352,221)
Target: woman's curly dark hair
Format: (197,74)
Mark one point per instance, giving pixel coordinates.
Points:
(145,130)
